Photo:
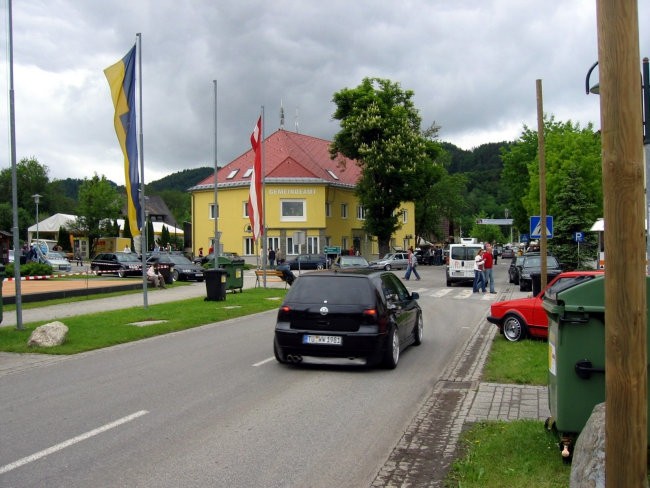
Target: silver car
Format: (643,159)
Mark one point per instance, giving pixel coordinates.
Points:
(392,260)
(58,261)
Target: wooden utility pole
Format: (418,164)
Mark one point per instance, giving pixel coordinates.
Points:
(626,362)
(541,156)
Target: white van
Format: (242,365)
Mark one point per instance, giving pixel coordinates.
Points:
(460,266)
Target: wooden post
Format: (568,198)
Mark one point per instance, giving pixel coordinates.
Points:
(541,156)
(625,280)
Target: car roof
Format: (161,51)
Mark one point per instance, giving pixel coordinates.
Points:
(346,272)
(571,274)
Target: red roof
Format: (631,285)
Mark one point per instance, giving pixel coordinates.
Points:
(289,155)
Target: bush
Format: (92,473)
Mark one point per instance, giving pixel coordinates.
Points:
(29,269)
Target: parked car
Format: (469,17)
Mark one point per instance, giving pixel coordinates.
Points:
(350,262)
(526,317)
(513,270)
(532,263)
(424,257)
(121,263)
(179,267)
(392,260)
(308,261)
(57,261)
(507,253)
(348,313)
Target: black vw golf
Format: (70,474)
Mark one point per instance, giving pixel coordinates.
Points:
(352,313)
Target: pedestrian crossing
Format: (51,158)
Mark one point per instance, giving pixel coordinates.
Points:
(454,294)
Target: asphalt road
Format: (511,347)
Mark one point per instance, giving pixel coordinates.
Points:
(211,407)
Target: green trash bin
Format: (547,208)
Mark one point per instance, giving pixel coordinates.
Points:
(2,277)
(215,284)
(234,272)
(576,355)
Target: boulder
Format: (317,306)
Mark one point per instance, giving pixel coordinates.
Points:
(588,466)
(48,335)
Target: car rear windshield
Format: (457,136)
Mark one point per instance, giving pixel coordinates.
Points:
(342,290)
(536,262)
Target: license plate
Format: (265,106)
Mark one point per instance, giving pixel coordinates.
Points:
(322,339)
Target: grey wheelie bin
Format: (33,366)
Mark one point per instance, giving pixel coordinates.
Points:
(576,353)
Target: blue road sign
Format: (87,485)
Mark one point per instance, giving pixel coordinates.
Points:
(536,228)
(524,238)
(579,237)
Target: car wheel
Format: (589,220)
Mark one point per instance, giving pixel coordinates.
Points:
(175,275)
(387,267)
(277,352)
(319,266)
(391,355)
(418,332)
(514,328)
(121,273)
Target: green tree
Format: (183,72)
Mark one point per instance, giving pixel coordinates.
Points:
(380,130)
(64,239)
(99,202)
(165,238)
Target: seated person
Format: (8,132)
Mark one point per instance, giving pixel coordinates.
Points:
(287,274)
(155,277)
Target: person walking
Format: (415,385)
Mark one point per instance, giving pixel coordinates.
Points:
(479,279)
(412,264)
(78,258)
(488,264)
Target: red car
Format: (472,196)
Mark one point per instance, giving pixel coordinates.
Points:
(522,317)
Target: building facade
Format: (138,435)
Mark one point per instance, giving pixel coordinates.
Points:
(308,203)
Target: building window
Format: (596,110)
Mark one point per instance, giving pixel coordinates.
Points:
(211,211)
(292,249)
(245,208)
(328,209)
(293,211)
(248,172)
(332,174)
(344,210)
(272,243)
(361,213)
(344,243)
(312,245)
(232,174)
(405,216)
(249,246)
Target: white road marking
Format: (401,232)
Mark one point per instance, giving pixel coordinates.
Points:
(267,360)
(70,442)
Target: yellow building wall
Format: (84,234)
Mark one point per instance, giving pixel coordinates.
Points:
(333,230)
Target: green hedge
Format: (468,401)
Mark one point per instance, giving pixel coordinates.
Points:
(29,269)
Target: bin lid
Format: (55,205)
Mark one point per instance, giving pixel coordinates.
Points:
(577,296)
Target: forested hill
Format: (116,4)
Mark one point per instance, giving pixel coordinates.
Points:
(181,180)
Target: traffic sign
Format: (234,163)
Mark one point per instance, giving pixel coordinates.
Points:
(536,228)
(579,237)
(332,250)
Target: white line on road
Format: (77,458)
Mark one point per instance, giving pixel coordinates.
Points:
(70,442)
(267,360)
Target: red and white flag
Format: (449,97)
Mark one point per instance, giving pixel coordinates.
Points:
(255,211)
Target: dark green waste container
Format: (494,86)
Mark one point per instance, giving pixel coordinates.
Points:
(576,353)
(234,272)
(215,284)
(2,277)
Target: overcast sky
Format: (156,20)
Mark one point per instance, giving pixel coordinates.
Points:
(472,65)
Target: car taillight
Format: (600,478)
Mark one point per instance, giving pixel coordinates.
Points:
(284,312)
(370,315)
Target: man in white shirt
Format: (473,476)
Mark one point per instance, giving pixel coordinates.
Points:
(154,277)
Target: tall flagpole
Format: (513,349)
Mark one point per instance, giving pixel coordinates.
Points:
(264,243)
(143,213)
(14,178)
(216,181)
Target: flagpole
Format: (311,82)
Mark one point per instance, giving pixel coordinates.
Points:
(264,243)
(143,229)
(14,177)
(216,181)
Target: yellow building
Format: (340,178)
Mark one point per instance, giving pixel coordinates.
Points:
(308,199)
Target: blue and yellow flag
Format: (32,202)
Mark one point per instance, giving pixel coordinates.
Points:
(121,78)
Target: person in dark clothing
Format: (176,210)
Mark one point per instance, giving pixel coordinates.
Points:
(271,257)
(287,274)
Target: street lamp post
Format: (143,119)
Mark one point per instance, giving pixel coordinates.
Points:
(37,199)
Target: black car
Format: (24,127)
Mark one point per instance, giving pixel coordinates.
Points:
(348,313)
(532,263)
(179,267)
(308,261)
(121,263)
(513,270)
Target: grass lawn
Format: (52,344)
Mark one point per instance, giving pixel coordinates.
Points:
(523,363)
(95,331)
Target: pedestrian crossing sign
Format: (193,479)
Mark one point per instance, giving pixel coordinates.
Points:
(536,227)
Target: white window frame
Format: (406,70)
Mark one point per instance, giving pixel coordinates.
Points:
(211,211)
(328,209)
(344,210)
(293,218)
(245,208)
(313,246)
(361,212)
(292,249)
(272,243)
(249,246)
(405,216)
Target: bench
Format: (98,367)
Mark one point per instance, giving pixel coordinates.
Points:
(269,274)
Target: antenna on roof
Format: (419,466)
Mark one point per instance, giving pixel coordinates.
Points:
(296,122)
(281,116)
